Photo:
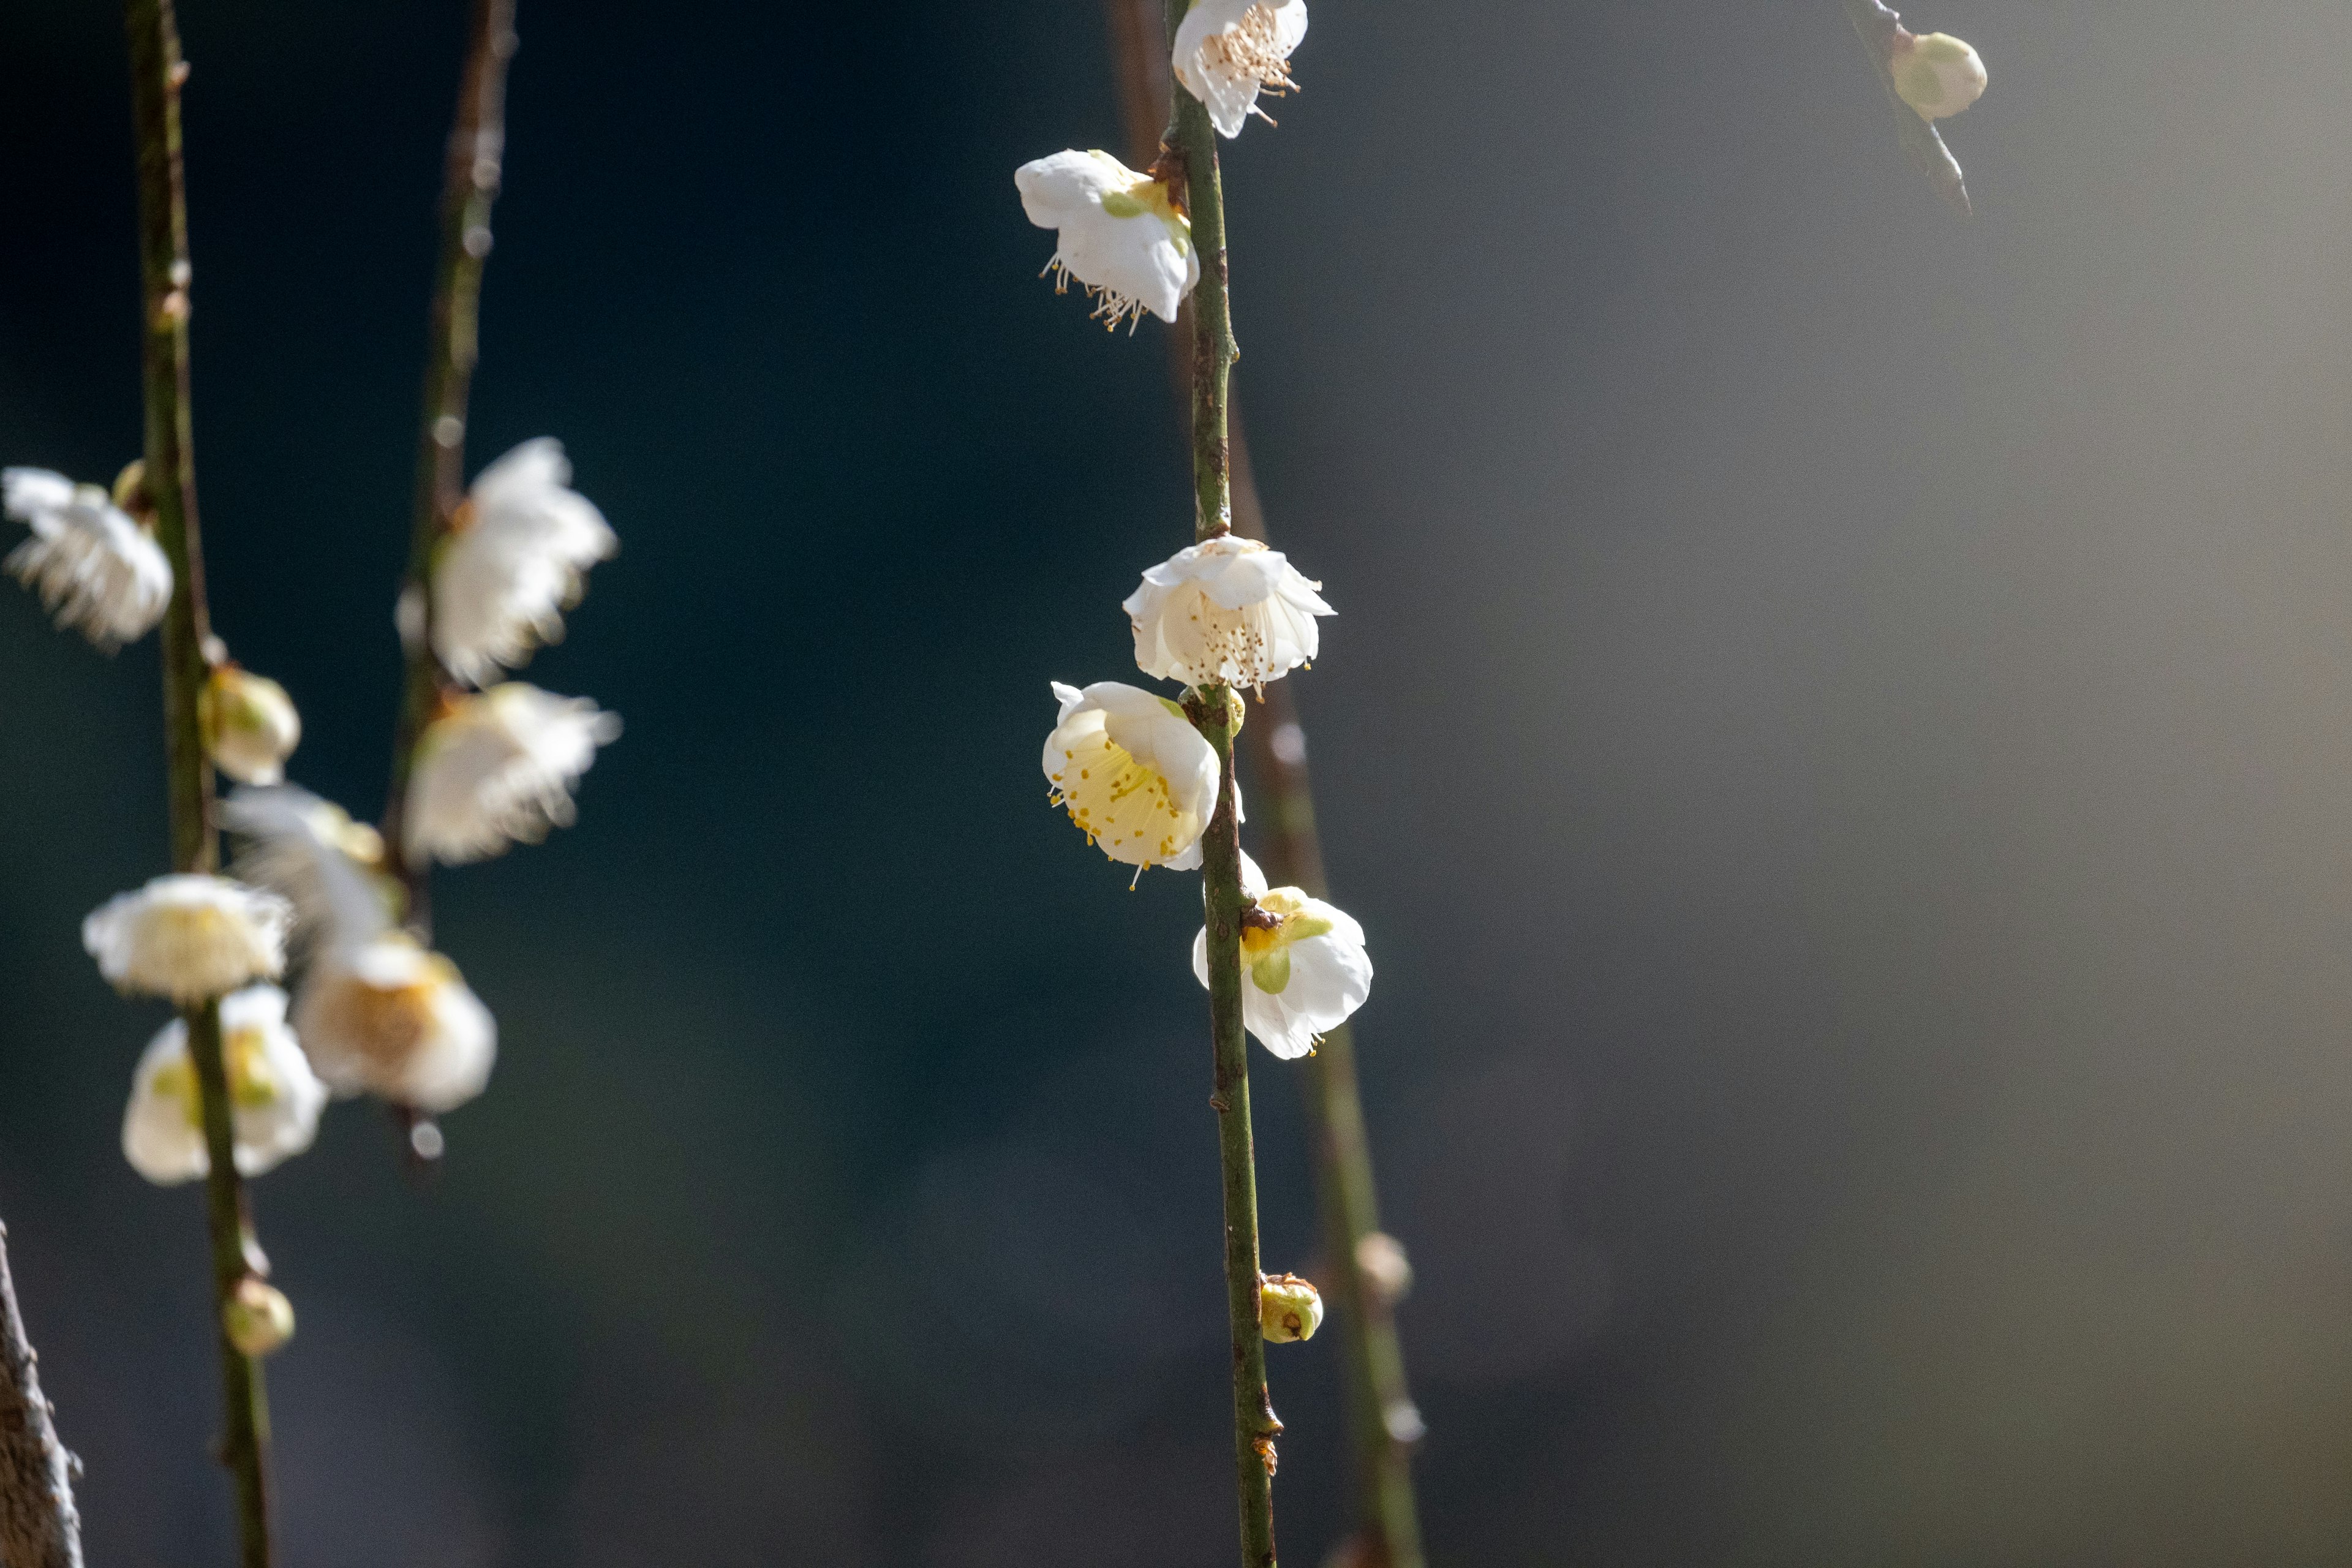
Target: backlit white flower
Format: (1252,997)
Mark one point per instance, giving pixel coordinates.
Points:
(1936,75)
(1133,773)
(1226,609)
(1119,233)
(1304,968)
(1228,51)
(189,937)
(274,1097)
(249,724)
(96,571)
(388,1018)
(498,769)
(310,852)
(517,559)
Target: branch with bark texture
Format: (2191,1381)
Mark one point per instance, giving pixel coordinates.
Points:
(157,74)
(1878,28)
(1383,1423)
(38,1526)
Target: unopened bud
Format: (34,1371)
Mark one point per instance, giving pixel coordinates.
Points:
(1379,1258)
(130,486)
(1937,75)
(249,723)
(1288,1308)
(258,1317)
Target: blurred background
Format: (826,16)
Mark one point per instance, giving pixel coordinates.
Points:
(1835,729)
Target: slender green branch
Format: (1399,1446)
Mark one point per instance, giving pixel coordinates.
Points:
(470,185)
(1383,1421)
(157,73)
(1877,27)
(1216,711)
(38,1526)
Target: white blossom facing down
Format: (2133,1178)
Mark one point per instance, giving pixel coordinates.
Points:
(189,937)
(1936,75)
(97,571)
(498,769)
(249,724)
(1304,967)
(1229,51)
(274,1097)
(1133,773)
(310,852)
(1227,609)
(1118,232)
(517,558)
(388,1018)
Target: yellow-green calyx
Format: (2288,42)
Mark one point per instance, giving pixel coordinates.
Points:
(1280,919)
(1148,197)
(1288,1308)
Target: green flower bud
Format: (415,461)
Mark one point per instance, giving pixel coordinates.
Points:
(258,1317)
(1936,75)
(249,724)
(1288,1308)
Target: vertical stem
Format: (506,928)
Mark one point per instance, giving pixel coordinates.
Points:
(38,1526)
(1382,1421)
(1216,711)
(477,148)
(157,73)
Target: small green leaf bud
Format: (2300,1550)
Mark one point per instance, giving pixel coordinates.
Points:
(1288,1308)
(258,1317)
(1936,75)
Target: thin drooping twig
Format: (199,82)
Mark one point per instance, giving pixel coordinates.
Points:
(476,150)
(1216,710)
(157,73)
(1383,1423)
(1877,28)
(38,1526)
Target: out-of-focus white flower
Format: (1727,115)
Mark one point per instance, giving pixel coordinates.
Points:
(189,937)
(1304,968)
(1118,232)
(258,1317)
(498,769)
(1937,74)
(1225,609)
(249,724)
(517,559)
(96,571)
(388,1018)
(1228,51)
(274,1097)
(1133,773)
(310,852)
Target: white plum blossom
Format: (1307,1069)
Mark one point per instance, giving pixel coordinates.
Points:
(96,571)
(189,937)
(1133,773)
(1936,75)
(497,768)
(1228,51)
(310,852)
(274,1097)
(516,559)
(249,724)
(1118,232)
(387,1017)
(1226,609)
(1304,967)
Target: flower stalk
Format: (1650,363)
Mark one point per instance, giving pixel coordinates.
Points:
(1216,711)
(1383,1423)
(1879,28)
(38,1526)
(157,74)
(477,148)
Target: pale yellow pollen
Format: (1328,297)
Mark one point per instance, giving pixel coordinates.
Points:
(1119,803)
(1252,50)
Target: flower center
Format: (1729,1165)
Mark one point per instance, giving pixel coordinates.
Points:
(1265,945)
(1121,802)
(1253,50)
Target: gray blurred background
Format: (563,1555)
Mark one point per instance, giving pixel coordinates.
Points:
(1835,729)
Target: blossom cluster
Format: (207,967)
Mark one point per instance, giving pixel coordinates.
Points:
(372,1010)
(1123,236)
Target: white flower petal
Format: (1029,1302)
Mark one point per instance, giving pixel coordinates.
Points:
(1227,609)
(1119,233)
(500,769)
(310,852)
(503,579)
(275,1098)
(1227,51)
(1323,976)
(188,937)
(1133,773)
(391,1019)
(96,571)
